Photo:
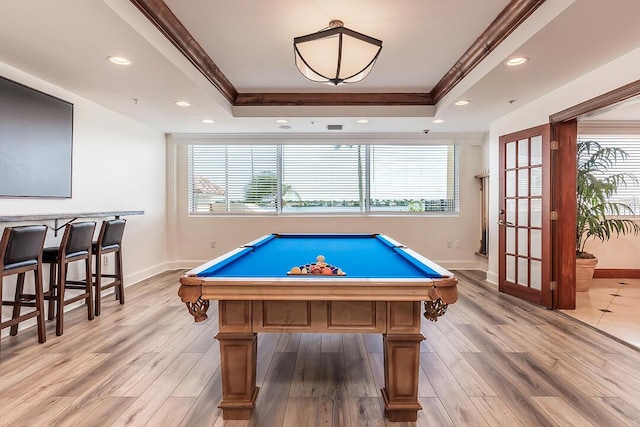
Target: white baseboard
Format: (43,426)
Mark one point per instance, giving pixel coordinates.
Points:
(185,265)
(492,277)
(139,276)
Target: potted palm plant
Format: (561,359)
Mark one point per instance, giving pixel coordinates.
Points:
(597,216)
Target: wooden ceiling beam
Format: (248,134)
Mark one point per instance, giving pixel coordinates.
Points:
(516,12)
(505,23)
(163,18)
(332,99)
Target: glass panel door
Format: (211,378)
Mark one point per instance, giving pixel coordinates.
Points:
(524,220)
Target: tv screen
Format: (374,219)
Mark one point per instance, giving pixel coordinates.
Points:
(36,142)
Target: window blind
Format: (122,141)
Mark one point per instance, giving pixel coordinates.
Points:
(233,179)
(630,194)
(414,178)
(323,178)
(327,178)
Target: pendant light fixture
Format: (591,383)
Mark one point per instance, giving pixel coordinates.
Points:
(336,55)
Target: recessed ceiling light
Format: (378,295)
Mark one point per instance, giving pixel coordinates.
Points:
(208,121)
(281,121)
(285,127)
(517,60)
(462,102)
(363,121)
(119,60)
(183,104)
(438,121)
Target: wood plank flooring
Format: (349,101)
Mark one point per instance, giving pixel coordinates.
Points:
(492,360)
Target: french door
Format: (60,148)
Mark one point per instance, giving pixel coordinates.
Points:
(524,216)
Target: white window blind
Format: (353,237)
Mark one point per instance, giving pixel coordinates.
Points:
(233,179)
(414,178)
(322,178)
(299,179)
(630,194)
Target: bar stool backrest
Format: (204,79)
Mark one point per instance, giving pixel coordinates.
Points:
(22,246)
(77,239)
(111,234)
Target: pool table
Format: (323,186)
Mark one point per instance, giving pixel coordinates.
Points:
(340,283)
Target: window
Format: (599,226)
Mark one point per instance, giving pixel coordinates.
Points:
(323,178)
(238,179)
(414,178)
(299,179)
(629,195)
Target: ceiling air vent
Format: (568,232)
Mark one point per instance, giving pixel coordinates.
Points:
(334,127)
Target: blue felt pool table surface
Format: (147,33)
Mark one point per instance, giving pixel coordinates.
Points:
(358,255)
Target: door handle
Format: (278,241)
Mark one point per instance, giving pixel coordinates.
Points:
(505,223)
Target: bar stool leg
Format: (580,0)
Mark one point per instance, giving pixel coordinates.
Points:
(42,334)
(120,287)
(52,292)
(62,277)
(17,305)
(88,300)
(97,295)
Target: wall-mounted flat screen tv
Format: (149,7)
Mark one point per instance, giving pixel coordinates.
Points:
(36,143)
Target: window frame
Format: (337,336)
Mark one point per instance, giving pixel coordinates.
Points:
(452,172)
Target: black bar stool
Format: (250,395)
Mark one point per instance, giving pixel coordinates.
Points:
(20,252)
(109,241)
(75,246)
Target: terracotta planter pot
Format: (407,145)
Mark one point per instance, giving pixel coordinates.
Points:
(584,273)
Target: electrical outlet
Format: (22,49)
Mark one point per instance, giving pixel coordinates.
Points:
(456,243)
(213,244)
(105,260)
(449,243)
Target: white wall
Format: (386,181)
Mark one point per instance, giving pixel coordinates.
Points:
(426,235)
(606,78)
(118,165)
(618,253)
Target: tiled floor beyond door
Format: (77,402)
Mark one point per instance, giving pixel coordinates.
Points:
(613,306)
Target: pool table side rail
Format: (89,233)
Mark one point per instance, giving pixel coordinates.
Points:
(430,264)
(260,241)
(221,259)
(316,289)
(389,241)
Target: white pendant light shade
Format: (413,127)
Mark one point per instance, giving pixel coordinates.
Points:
(336,55)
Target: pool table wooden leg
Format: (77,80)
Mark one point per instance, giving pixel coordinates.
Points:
(238,356)
(191,295)
(401,376)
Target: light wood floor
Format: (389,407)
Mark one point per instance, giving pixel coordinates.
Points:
(491,360)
